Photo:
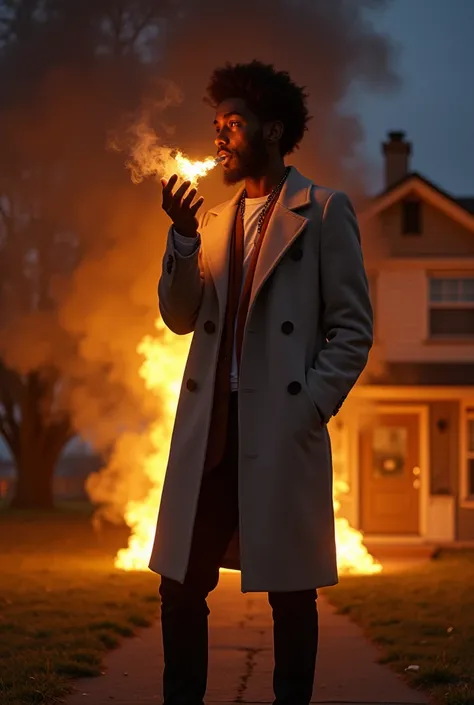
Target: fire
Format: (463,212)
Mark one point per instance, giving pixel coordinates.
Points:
(161,370)
(352,555)
(192,171)
(148,158)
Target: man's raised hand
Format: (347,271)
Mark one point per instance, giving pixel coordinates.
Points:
(180,207)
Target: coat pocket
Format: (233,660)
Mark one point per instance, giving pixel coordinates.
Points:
(316,417)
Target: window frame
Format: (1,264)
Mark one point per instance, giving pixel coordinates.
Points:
(466,498)
(407,217)
(431,305)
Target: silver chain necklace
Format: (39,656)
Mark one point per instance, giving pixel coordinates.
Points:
(271,197)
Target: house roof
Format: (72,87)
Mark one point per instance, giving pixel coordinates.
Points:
(467,203)
(460,209)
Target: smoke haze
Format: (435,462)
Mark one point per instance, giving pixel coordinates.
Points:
(106,302)
(329,47)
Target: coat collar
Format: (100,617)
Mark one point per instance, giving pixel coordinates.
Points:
(295,194)
(284,227)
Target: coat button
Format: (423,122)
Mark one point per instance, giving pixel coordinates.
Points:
(294,388)
(210,327)
(191,385)
(287,327)
(296,253)
(169,264)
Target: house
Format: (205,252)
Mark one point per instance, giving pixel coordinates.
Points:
(403,444)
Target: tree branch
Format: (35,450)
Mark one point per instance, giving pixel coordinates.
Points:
(9,427)
(5,432)
(6,217)
(141,26)
(117,20)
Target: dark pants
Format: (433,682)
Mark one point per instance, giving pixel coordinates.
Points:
(184,610)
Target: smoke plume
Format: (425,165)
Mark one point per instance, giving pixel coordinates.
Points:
(144,137)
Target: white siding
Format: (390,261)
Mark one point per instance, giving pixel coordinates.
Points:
(402,320)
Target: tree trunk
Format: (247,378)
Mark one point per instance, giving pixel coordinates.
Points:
(39,445)
(34,480)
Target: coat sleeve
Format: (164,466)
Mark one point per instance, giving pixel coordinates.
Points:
(181,285)
(347,317)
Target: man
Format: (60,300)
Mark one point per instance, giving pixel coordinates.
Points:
(272,283)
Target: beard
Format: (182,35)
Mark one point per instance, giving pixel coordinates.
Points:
(249,162)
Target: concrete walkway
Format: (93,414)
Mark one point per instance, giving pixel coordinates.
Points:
(241,660)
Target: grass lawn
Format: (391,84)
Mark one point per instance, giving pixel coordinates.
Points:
(62,603)
(423,616)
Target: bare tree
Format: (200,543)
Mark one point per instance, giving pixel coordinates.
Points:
(71,68)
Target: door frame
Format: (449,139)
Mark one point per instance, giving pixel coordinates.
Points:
(422,411)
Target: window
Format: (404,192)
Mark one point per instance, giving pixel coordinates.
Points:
(469,476)
(411,217)
(451,306)
(389,451)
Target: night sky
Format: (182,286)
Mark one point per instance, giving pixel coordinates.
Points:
(435,103)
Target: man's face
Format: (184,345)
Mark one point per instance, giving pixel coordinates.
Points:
(240,139)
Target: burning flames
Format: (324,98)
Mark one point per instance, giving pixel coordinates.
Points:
(172,162)
(192,171)
(162,368)
(352,555)
(148,157)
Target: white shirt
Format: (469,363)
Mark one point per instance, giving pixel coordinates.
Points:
(187,246)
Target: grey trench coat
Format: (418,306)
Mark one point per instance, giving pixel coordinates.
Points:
(306,341)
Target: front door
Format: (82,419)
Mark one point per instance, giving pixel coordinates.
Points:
(390,469)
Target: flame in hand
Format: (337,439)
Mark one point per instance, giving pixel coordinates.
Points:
(189,170)
(148,157)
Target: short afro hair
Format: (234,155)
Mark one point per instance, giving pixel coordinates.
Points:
(269,94)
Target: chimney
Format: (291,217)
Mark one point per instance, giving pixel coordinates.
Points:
(397,157)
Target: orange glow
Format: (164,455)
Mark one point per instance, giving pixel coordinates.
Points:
(352,555)
(189,170)
(162,370)
(149,158)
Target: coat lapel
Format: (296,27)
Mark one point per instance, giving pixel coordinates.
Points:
(216,238)
(284,227)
